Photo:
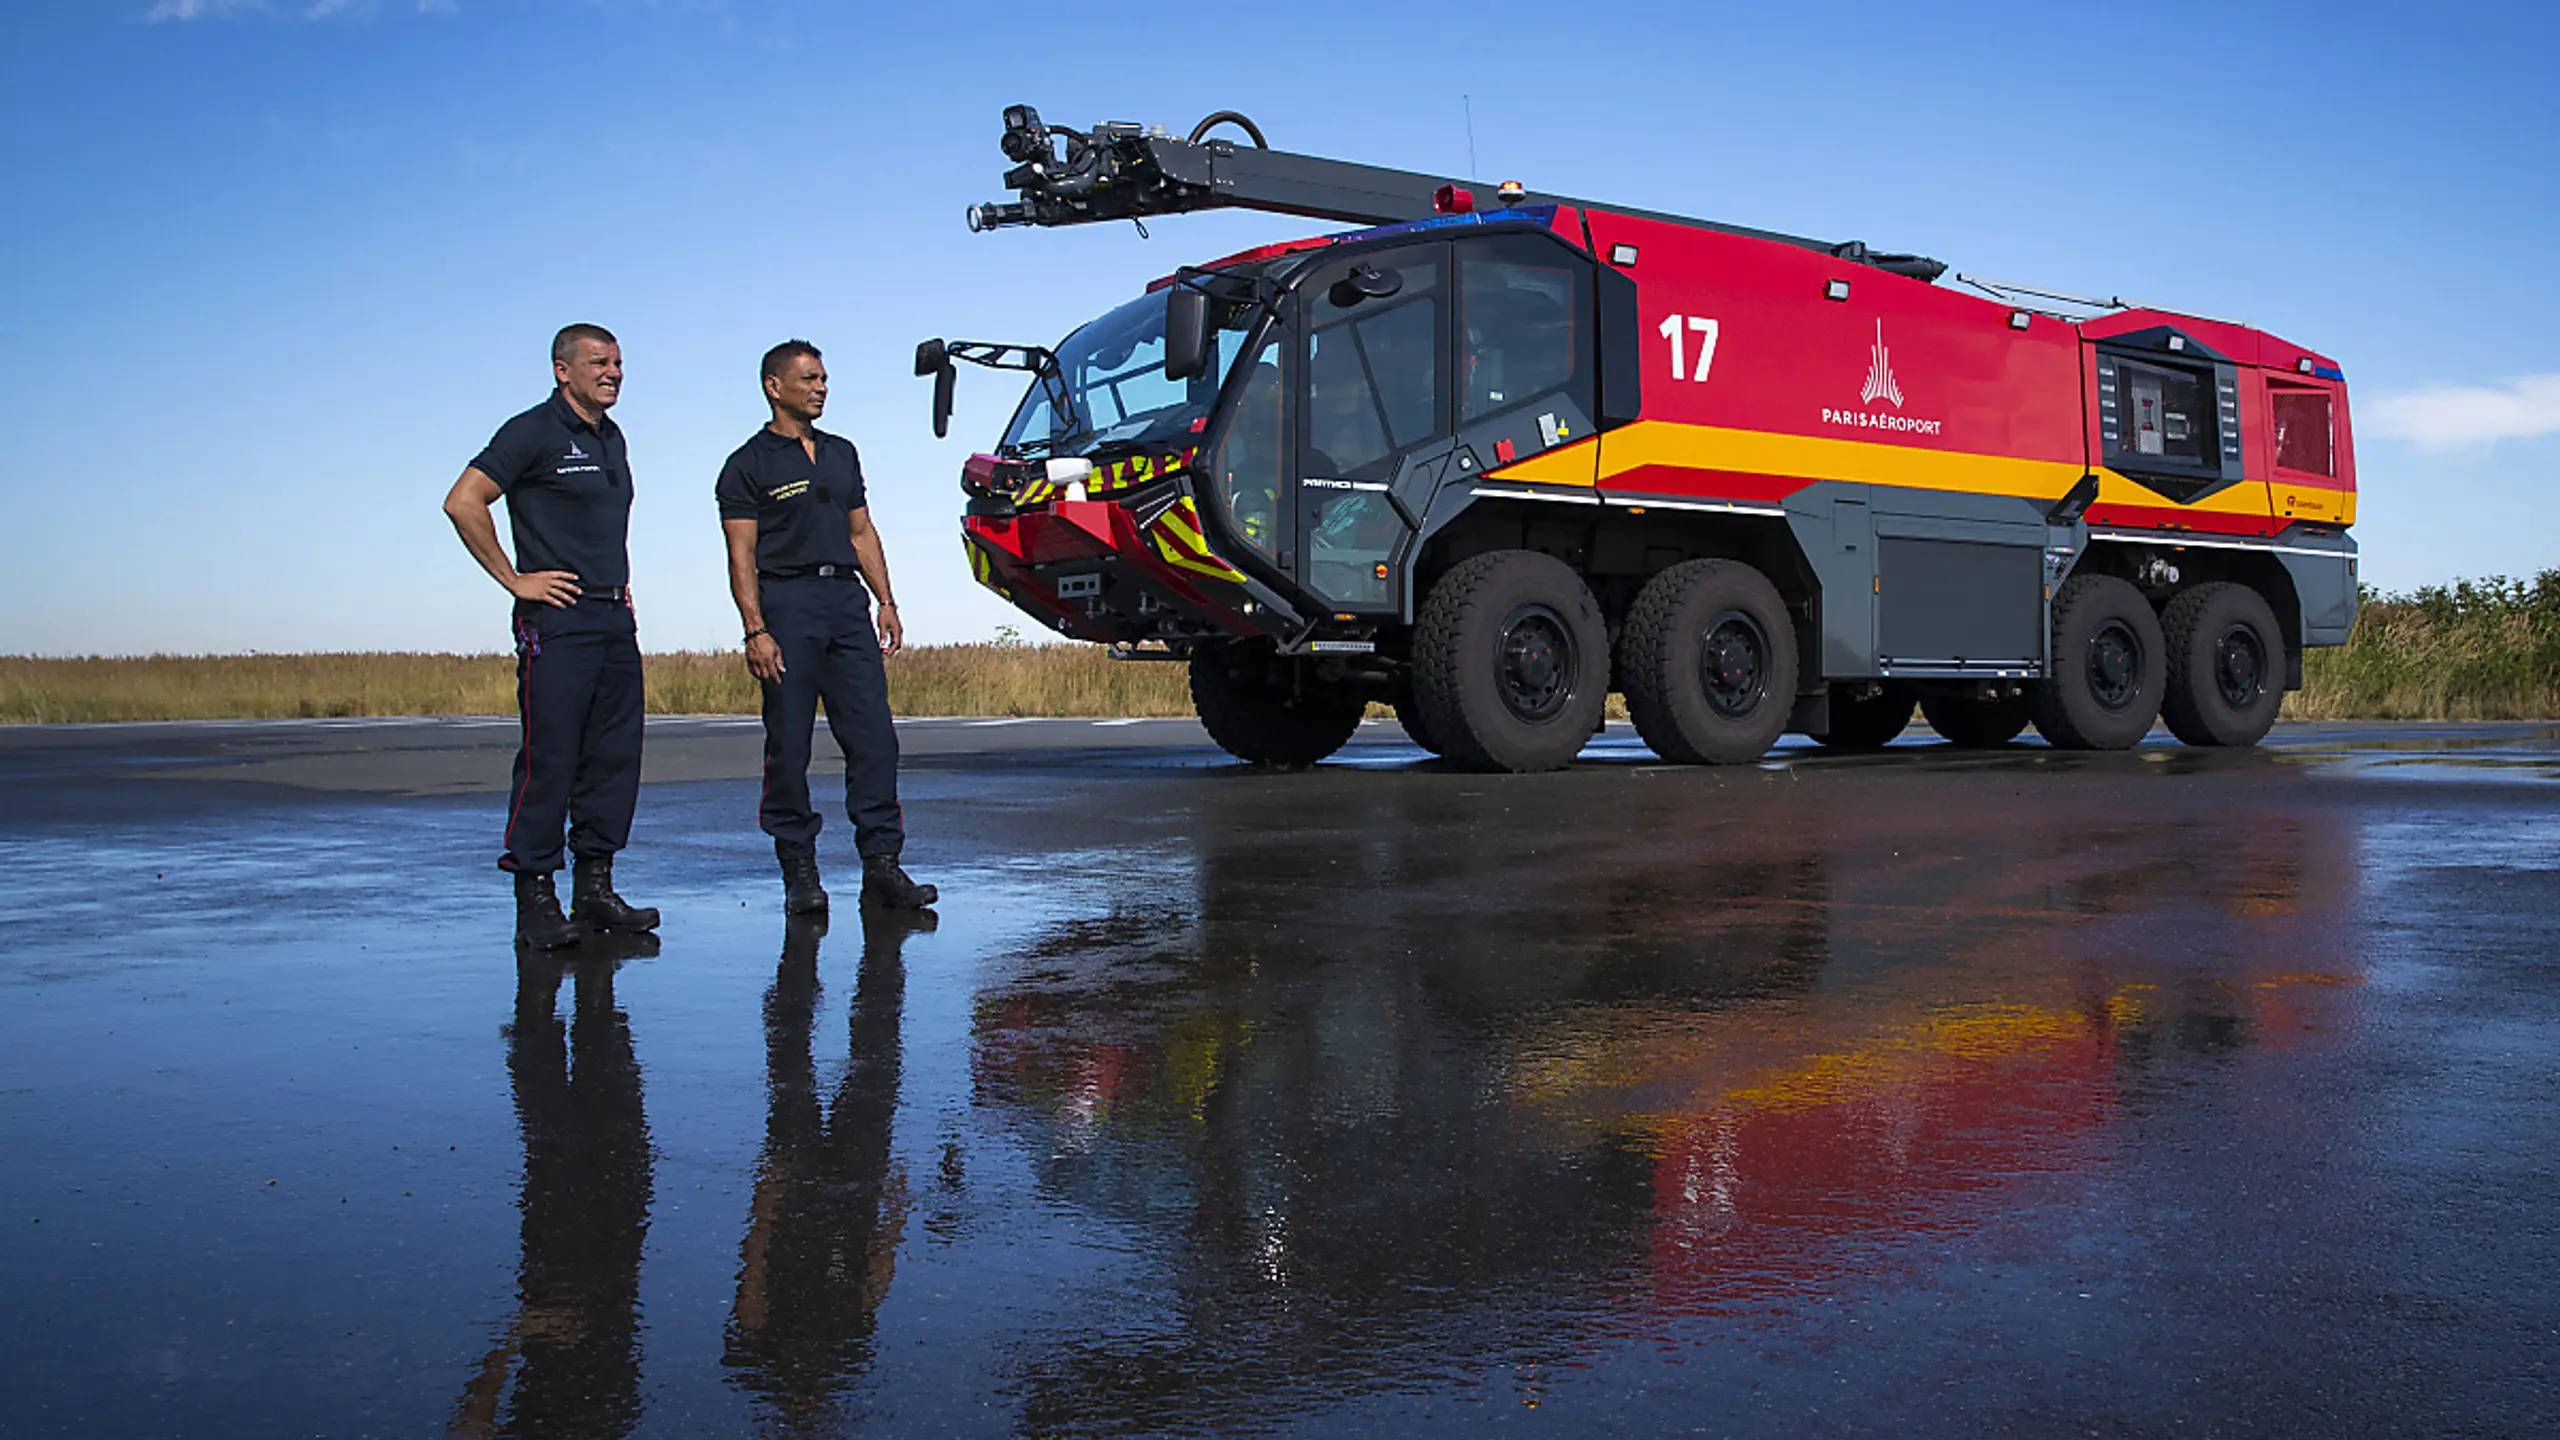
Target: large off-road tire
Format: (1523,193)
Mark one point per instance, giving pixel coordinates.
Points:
(1510,662)
(1708,657)
(1972,723)
(2226,665)
(2102,689)
(1245,699)
(1864,721)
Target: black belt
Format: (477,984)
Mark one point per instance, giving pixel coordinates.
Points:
(613,593)
(814,572)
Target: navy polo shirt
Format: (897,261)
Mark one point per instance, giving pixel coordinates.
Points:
(802,507)
(568,489)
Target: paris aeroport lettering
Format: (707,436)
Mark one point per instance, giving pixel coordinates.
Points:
(1869,420)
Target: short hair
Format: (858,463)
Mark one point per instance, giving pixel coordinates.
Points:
(782,355)
(564,346)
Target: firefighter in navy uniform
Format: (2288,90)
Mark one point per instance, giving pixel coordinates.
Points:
(802,549)
(566,477)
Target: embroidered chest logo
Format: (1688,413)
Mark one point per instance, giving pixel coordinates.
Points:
(792,491)
(578,462)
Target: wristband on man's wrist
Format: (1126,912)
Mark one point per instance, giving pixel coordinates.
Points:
(752,634)
(888,604)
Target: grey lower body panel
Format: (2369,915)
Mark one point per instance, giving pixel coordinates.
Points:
(1924,582)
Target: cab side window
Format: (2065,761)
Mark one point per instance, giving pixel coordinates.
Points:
(1524,308)
(1374,370)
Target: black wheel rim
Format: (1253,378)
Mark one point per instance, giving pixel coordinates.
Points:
(2240,666)
(1733,665)
(1535,664)
(2115,665)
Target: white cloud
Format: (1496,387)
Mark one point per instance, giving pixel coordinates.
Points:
(2454,417)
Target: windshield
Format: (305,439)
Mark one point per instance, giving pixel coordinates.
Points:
(1110,387)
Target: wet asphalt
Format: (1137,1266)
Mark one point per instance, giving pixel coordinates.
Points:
(1925,1093)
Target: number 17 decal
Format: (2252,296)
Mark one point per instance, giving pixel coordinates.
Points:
(1676,329)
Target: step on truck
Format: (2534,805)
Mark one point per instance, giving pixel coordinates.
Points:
(1495,454)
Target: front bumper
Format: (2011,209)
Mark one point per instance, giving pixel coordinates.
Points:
(1113,571)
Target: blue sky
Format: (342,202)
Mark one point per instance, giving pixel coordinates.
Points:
(273,272)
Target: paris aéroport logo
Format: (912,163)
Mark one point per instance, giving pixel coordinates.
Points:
(1881,386)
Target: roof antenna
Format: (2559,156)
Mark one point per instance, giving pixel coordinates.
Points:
(1469,102)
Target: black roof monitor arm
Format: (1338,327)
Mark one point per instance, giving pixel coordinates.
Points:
(1125,171)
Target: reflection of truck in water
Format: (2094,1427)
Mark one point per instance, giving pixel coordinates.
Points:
(1684,1073)
(1489,462)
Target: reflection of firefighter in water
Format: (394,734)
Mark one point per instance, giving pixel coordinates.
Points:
(573,1352)
(828,1211)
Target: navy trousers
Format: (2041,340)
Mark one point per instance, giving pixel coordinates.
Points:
(579,699)
(829,652)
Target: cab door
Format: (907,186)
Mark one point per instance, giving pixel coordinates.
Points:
(1374,391)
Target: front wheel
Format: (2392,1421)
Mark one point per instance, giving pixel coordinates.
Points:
(2226,665)
(1510,662)
(1708,657)
(1260,711)
(2101,690)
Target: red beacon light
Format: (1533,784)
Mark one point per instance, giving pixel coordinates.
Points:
(1453,200)
(1512,192)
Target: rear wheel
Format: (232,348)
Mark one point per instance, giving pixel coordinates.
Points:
(1261,711)
(1973,722)
(2102,689)
(1708,657)
(1866,715)
(1510,662)
(2226,665)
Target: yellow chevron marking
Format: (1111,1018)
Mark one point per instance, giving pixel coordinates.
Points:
(1185,529)
(1176,532)
(1213,568)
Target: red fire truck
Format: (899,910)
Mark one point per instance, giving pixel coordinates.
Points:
(1498,453)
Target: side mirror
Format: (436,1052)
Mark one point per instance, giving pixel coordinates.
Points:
(1186,333)
(934,358)
(1365,282)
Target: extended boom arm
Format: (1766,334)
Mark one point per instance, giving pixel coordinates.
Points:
(1124,171)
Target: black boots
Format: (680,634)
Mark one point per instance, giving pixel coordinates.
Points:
(539,923)
(596,907)
(884,883)
(801,892)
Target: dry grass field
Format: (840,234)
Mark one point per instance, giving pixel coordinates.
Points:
(2475,650)
(928,680)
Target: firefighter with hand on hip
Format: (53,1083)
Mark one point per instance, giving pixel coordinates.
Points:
(565,474)
(802,550)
